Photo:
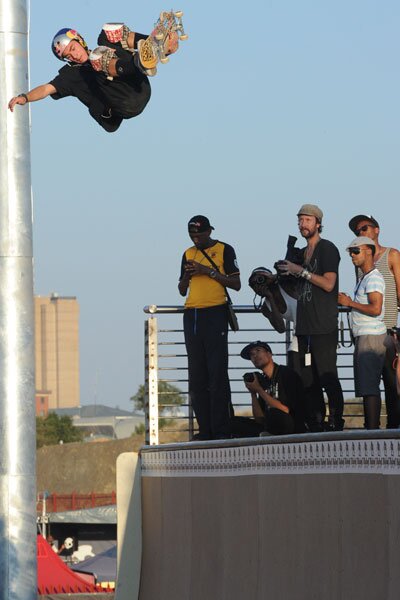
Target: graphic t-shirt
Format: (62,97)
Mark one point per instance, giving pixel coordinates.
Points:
(203,290)
(317,310)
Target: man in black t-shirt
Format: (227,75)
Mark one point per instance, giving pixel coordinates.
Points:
(316,324)
(277,393)
(111,80)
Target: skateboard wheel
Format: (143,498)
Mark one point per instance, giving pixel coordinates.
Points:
(179,14)
(164,60)
(184,37)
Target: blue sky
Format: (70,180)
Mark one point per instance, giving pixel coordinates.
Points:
(264,108)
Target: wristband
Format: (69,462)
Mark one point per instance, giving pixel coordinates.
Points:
(306,274)
(23,96)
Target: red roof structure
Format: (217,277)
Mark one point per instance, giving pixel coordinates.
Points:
(54,577)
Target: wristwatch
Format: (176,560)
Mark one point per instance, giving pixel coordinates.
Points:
(212,274)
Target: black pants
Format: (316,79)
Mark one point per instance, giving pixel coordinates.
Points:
(392,399)
(278,422)
(126,96)
(322,374)
(206,339)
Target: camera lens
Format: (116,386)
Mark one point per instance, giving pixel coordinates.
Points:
(261,279)
(249,377)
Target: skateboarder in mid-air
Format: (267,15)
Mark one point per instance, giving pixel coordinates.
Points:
(112,80)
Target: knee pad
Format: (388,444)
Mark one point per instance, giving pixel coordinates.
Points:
(100,58)
(118,33)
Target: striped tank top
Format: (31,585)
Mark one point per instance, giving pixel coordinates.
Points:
(390,316)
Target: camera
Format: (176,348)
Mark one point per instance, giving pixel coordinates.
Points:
(278,264)
(260,276)
(293,254)
(260,279)
(250,377)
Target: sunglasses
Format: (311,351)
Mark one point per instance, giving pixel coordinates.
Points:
(362,229)
(355,250)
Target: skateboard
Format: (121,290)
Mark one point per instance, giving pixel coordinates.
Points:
(163,40)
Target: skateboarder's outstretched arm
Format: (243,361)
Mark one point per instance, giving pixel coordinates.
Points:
(38,93)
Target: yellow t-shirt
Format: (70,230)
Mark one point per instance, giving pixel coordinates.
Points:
(203,290)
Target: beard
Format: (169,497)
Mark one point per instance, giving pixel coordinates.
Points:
(307,232)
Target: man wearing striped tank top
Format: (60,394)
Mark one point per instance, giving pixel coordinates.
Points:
(369,330)
(387,261)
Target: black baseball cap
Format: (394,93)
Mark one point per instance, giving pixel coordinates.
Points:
(355,221)
(245,353)
(199,224)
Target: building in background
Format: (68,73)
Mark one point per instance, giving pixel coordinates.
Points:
(56,353)
(42,404)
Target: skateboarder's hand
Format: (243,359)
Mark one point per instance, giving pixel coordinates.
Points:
(16,100)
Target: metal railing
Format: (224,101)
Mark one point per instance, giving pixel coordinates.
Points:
(66,502)
(166,361)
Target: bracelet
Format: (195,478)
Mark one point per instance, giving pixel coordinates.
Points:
(306,274)
(23,96)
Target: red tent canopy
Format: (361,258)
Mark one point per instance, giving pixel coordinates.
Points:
(54,577)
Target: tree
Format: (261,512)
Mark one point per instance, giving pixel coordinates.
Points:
(169,398)
(52,429)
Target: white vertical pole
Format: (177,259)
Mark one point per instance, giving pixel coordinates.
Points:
(151,381)
(17,385)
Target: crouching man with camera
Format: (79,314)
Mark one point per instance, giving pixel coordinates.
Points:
(276,393)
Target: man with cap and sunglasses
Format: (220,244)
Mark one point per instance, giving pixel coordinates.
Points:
(387,261)
(208,267)
(317,321)
(277,394)
(369,330)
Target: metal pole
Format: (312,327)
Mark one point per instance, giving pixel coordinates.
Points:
(17,385)
(44,517)
(151,381)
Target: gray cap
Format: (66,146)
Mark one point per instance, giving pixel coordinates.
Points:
(311,210)
(361,241)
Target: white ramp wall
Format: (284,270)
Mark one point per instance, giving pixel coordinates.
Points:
(280,518)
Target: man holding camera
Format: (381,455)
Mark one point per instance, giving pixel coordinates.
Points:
(316,322)
(387,261)
(276,393)
(369,330)
(208,268)
(279,305)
